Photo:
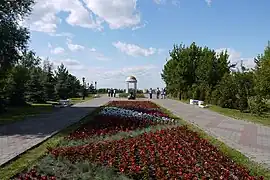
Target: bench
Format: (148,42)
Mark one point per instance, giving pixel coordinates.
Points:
(197,102)
(63,103)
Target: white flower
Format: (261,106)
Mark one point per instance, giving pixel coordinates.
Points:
(115,111)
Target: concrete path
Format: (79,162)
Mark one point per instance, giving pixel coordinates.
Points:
(18,137)
(253,140)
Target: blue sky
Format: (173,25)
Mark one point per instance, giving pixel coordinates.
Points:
(108,40)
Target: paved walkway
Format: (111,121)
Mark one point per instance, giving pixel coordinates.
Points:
(253,140)
(18,137)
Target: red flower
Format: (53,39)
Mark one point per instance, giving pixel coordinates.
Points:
(175,153)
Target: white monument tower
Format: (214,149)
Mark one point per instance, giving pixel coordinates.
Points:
(131,80)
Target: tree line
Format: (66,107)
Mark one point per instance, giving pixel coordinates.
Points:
(23,78)
(194,72)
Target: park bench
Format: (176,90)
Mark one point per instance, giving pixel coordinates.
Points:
(197,102)
(63,103)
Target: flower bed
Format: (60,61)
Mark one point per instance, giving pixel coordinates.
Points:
(33,174)
(111,120)
(171,153)
(134,104)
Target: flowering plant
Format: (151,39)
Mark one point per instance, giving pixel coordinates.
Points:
(116,111)
(164,154)
(171,153)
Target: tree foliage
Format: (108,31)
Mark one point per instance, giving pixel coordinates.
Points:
(201,73)
(22,79)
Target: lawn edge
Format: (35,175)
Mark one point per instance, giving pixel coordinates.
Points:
(34,115)
(214,108)
(21,162)
(255,168)
(248,120)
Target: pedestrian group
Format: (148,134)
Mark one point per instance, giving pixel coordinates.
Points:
(159,92)
(111,92)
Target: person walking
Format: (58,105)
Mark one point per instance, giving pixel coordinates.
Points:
(114,92)
(162,93)
(109,92)
(150,93)
(158,93)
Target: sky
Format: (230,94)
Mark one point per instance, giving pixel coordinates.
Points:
(108,40)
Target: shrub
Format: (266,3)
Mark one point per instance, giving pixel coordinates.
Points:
(256,105)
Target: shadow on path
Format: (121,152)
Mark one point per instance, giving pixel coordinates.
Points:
(47,123)
(18,137)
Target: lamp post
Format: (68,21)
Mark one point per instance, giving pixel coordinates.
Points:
(83,93)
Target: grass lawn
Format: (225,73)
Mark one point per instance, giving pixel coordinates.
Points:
(127,139)
(79,100)
(20,113)
(264,119)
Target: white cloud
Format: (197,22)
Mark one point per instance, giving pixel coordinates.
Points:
(102,57)
(58,50)
(44,15)
(72,65)
(159,1)
(138,27)
(74,47)
(236,57)
(147,76)
(134,50)
(92,49)
(62,34)
(117,13)
(49,45)
(209,2)
(173,2)
(98,55)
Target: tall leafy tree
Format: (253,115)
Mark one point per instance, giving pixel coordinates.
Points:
(49,81)
(16,85)
(74,86)
(13,38)
(262,73)
(194,71)
(62,82)
(35,86)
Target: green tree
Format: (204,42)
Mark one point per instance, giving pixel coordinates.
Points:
(49,81)
(62,82)
(193,71)
(13,39)
(35,86)
(262,74)
(74,86)
(19,76)
(16,85)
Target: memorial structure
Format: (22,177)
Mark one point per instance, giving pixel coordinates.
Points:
(131,80)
